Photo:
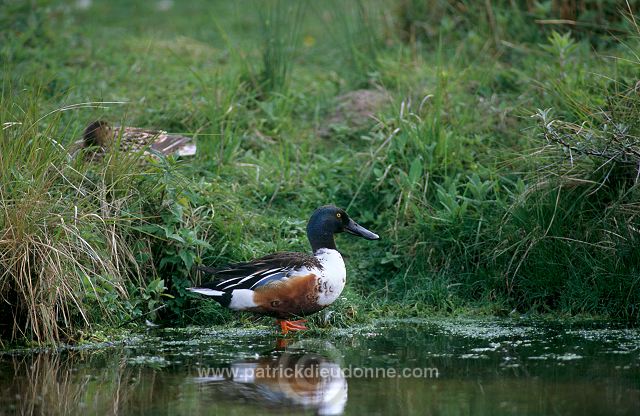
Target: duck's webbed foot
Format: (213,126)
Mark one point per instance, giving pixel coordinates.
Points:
(287,326)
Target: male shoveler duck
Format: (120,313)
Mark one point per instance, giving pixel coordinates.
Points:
(99,136)
(287,285)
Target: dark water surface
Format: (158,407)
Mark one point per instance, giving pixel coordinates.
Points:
(439,367)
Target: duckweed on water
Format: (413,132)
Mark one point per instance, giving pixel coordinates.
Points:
(149,361)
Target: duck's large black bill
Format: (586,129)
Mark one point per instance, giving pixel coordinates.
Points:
(356,229)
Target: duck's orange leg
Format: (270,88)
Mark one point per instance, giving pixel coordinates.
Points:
(287,326)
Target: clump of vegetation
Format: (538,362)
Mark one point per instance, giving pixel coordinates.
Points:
(65,250)
(357,29)
(281,27)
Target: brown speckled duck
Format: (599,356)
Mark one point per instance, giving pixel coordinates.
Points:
(99,136)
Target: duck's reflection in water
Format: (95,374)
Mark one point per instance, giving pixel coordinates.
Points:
(305,375)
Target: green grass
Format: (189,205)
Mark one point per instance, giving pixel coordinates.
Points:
(480,205)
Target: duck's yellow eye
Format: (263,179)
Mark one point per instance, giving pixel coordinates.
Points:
(339,215)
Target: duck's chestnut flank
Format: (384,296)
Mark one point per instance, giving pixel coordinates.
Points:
(287,285)
(297,293)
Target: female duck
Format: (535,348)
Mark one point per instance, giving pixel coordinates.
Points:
(98,137)
(288,285)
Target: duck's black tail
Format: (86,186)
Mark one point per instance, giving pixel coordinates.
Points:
(223,298)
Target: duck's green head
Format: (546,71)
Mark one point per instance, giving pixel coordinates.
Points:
(329,220)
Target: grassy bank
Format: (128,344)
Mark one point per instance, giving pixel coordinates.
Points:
(501,167)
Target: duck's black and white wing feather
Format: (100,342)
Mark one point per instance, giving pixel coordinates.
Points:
(256,273)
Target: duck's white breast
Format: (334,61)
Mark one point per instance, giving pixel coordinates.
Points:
(332,277)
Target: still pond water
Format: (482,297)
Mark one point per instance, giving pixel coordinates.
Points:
(416,367)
